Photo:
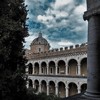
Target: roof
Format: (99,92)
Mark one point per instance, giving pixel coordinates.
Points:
(40,40)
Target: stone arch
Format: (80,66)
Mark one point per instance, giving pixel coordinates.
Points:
(43,68)
(52,67)
(30,83)
(36,85)
(72,67)
(43,86)
(30,68)
(61,67)
(36,68)
(72,89)
(84,67)
(83,87)
(61,89)
(51,87)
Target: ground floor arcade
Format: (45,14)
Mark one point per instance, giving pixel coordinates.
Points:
(62,86)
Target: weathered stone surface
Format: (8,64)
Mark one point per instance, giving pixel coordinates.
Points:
(92,4)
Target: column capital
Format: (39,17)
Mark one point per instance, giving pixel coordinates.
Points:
(66,87)
(94,11)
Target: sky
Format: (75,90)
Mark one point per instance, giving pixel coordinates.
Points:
(60,22)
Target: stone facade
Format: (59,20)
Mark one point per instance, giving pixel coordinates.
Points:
(62,72)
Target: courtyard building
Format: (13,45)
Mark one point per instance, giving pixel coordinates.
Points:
(62,72)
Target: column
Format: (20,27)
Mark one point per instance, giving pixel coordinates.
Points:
(93,60)
(66,69)
(39,69)
(79,89)
(56,89)
(79,70)
(47,89)
(33,85)
(67,91)
(47,69)
(26,70)
(33,70)
(39,87)
(56,69)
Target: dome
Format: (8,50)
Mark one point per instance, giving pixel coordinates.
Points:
(39,40)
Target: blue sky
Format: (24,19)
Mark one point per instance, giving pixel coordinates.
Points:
(60,21)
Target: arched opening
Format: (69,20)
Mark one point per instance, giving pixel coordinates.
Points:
(61,89)
(84,67)
(72,67)
(30,83)
(61,67)
(43,68)
(36,68)
(51,87)
(51,68)
(36,85)
(30,68)
(83,87)
(72,89)
(43,87)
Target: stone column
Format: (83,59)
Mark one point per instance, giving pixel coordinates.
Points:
(47,69)
(93,60)
(39,69)
(66,91)
(56,89)
(79,89)
(40,87)
(33,85)
(26,70)
(47,89)
(33,70)
(79,70)
(66,71)
(56,69)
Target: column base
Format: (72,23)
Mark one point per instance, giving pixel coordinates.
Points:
(82,96)
(92,94)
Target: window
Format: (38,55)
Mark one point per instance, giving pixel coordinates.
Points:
(39,49)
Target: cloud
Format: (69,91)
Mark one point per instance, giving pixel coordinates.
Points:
(79,9)
(61,3)
(65,43)
(60,21)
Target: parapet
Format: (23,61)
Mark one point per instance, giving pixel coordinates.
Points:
(61,51)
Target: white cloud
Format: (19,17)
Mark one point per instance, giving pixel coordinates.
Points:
(44,18)
(65,43)
(61,3)
(52,13)
(57,13)
(79,9)
(78,29)
(50,18)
